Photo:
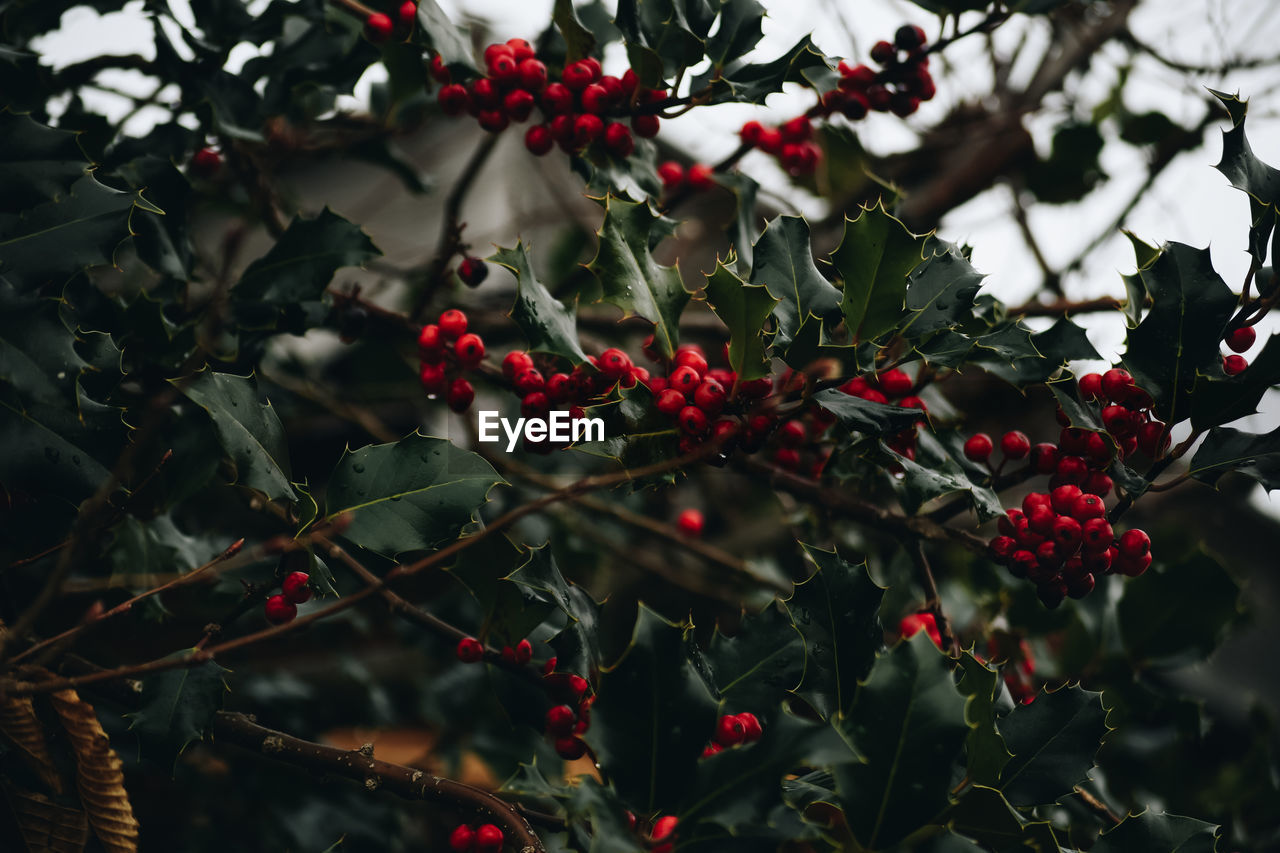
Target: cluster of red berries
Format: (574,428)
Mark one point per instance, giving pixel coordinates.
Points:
(572,390)
(445,344)
(699,177)
(576,109)
(1061,539)
(380,27)
(471,650)
(791,143)
(894,387)
(733,730)
(914,623)
(294,590)
(1238,341)
(902,82)
(485,838)
(566,721)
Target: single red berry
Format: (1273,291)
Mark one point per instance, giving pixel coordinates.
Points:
(280,610)
(1096,535)
(1087,507)
(1066,533)
(494,121)
(1074,440)
(518,104)
(978,447)
(514,362)
(1051,594)
(493,51)
(914,623)
(378,27)
(903,104)
(684,379)
(700,177)
(433,379)
(577,75)
(535,405)
(797,129)
(470,650)
(614,363)
(1131,566)
(461,395)
(687,356)
(664,827)
(524,652)
(1071,469)
(1153,440)
(1116,419)
(1097,561)
(883,52)
(1035,499)
(692,420)
(1091,386)
(1134,544)
(1097,483)
(645,126)
(470,350)
(528,381)
(532,75)
(1098,448)
(587,128)
(671,174)
(557,99)
(690,522)
(1239,340)
(439,71)
(431,344)
(896,383)
(462,838)
(570,748)
(538,139)
(1233,365)
(1116,383)
(1041,519)
(750,133)
(472,271)
(670,402)
(710,397)
(453,323)
(560,721)
(504,69)
(617,139)
(1001,548)
(296,587)
(484,94)
(488,839)
(909,37)
(751,728)
(1080,585)
(1022,563)
(1044,458)
(205,162)
(729,731)
(521,49)
(577,686)
(1015,445)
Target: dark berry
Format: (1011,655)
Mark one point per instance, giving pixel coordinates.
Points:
(472,271)
(1239,340)
(909,37)
(883,52)
(460,396)
(1233,365)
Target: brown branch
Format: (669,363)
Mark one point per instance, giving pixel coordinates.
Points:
(1097,805)
(375,774)
(933,600)
(1065,307)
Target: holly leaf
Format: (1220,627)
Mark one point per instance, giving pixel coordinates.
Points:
(908,714)
(1191,305)
(599,819)
(577,646)
(1225,449)
(865,416)
(736,787)
(874,258)
(299,267)
(783,263)
(1240,165)
(744,308)
(752,82)
(410,495)
(985,751)
(1159,833)
(757,667)
(652,717)
(1223,400)
(178,707)
(38,163)
(577,39)
(511,611)
(1053,741)
(986,816)
(630,276)
(741,28)
(74,231)
(547,324)
(444,37)
(940,293)
(250,432)
(935,473)
(1177,614)
(838,613)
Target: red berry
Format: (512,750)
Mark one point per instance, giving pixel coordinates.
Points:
(750,726)
(577,686)
(557,99)
(1097,483)
(1131,566)
(979,446)
(664,827)
(1052,594)
(1239,340)
(684,379)
(578,75)
(493,51)
(488,839)
(1022,563)
(1152,438)
(280,610)
(692,420)
(1096,535)
(535,405)
(460,396)
(1015,445)
(470,650)
(700,177)
(750,133)
(614,363)
(470,350)
(671,174)
(570,748)
(730,731)
(617,138)
(1091,386)
(690,522)
(430,344)
(1044,458)
(514,362)
(462,838)
(896,383)
(1134,544)
(494,121)
(1066,532)
(1080,586)
(538,139)
(560,720)
(797,129)
(524,651)
(645,126)
(518,104)
(528,381)
(1116,383)
(504,69)
(587,128)
(532,75)
(439,71)
(378,27)
(883,52)
(1116,419)
(710,397)
(296,587)
(1233,365)
(689,357)
(670,402)
(453,323)
(1071,469)
(520,49)
(1035,499)
(1087,507)
(903,104)
(433,378)
(909,37)
(206,161)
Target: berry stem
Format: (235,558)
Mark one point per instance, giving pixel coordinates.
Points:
(933,601)
(356,8)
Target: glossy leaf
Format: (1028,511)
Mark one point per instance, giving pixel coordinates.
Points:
(410,495)
(1222,399)
(178,707)
(907,715)
(1053,741)
(744,308)
(547,324)
(630,276)
(1225,449)
(865,416)
(1176,614)
(783,263)
(983,814)
(935,473)
(940,293)
(250,432)
(1241,166)
(302,262)
(577,646)
(874,258)
(577,38)
(599,818)
(985,751)
(763,662)
(753,82)
(38,163)
(444,37)
(1150,832)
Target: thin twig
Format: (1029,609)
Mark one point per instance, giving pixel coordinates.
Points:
(933,601)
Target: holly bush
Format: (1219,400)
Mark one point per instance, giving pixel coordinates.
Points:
(852,562)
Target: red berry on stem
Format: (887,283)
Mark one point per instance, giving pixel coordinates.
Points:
(1096,535)
(730,731)
(469,650)
(557,99)
(645,126)
(1134,544)
(978,447)
(453,323)
(1233,365)
(693,421)
(378,27)
(296,587)
(690,522)
(578,75)
(896,383)
(514,362)
(560,720)
(431,344)
(470,350)
(472,271)
(279,610)
(1091,386)
(617,138)
(524,651)
(462,838)
(701,177)
(1239,340)
(1116,383)
(1015,445)
(1087,507)
(461,395)
(518,104)
(488,839)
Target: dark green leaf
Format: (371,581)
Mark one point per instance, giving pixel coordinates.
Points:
(249,431)
(1223,400)
(596,814)
(784,264)
(38,163)
(985,751)
(78,230)
(1159,833)
(739,31)
(907,715)
(1225,449)
(444,37)
(301,264)
(985,815)
(178,707)
(754,669)
(1177,614)
(1241,166)
(548,326)
(1181,333)
(874,258)
(1053,741)
(511,611)
(935,473)
(653,716)
(940,293)
(838,613)
(410,495)
(741,232)
(577,646)
(630,276)
(744,308)
(577,38)
(737,786)
(865,416)
(753,82)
